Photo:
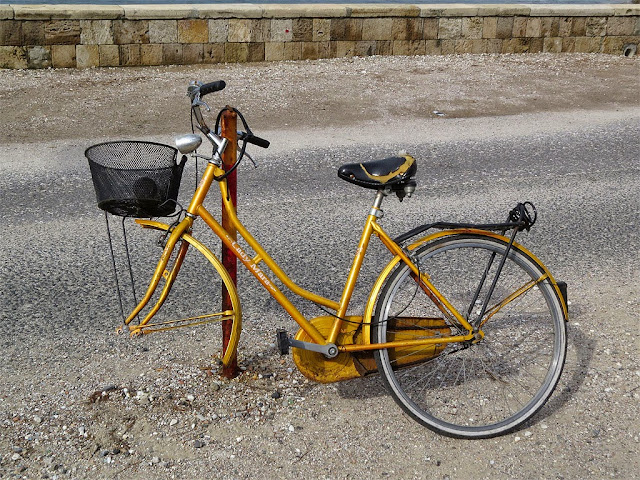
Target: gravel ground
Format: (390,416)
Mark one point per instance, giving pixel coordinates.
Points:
(78,402)
(44,105)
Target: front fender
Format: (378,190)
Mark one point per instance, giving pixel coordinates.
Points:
(152,224)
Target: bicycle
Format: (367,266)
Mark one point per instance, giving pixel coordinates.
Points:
(466,327)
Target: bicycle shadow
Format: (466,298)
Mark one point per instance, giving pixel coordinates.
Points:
(574,374)
(364,387)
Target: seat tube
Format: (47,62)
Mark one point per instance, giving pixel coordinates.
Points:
(356,265)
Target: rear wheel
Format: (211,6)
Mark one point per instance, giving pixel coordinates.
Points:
(474,390)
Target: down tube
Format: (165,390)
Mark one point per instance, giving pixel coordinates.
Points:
(261,277)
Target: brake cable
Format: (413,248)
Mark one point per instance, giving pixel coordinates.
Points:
(243,148)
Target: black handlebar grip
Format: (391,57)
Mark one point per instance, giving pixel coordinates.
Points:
(212,87)
(260,142)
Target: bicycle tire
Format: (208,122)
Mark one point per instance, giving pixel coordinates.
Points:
(494,386)
(196,291)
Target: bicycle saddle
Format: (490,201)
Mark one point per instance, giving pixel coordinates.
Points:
(392,171)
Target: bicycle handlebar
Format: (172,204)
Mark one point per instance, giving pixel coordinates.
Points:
(251,138)
(196,91)
(212,87)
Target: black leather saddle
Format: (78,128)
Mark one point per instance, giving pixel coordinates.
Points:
(394,172)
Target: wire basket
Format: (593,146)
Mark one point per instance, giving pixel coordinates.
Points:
(135,179)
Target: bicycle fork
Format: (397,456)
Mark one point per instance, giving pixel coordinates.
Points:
(161,272)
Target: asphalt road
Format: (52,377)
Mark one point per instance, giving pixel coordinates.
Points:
(584,183)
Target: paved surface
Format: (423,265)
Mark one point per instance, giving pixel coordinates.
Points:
(579,167)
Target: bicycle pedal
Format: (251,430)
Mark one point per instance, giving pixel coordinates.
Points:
(282,340)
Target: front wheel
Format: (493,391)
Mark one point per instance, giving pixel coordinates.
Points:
(474,390)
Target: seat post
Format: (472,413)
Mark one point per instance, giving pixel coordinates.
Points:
(376,211)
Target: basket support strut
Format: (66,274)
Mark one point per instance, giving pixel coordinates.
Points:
(229,131)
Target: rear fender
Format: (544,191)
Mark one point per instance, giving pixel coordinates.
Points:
(377,287)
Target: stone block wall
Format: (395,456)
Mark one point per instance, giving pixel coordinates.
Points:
(41,36)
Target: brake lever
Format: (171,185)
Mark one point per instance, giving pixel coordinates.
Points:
(200,103)
(193,92)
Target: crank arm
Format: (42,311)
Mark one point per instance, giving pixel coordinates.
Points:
(285,342)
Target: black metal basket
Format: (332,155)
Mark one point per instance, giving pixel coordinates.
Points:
(135,179)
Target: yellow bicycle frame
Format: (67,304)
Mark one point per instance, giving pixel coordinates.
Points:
(371,227)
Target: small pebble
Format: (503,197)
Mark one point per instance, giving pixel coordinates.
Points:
(198,444)
(143,398)
(173,422)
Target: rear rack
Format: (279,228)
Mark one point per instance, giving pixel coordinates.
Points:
(521,217)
